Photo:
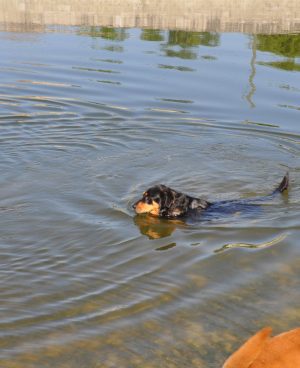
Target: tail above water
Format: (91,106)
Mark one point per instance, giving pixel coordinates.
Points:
(283,185)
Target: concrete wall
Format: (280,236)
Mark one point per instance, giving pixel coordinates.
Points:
(253,16)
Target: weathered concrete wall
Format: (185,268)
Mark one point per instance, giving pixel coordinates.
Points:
(253,16)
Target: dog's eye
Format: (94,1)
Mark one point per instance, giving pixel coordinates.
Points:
(157,199)
(148,200)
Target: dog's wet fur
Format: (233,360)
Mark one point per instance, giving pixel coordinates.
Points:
(162,201)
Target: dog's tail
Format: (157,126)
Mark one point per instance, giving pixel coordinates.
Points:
(283,185)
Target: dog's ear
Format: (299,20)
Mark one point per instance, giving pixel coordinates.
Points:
(167,198)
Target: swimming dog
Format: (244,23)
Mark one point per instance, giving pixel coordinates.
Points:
(162,201)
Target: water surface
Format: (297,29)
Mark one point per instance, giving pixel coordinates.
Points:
(92,116)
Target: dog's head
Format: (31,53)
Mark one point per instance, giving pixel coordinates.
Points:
(159,201)
(153,201)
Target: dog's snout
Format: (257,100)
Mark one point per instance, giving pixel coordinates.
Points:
(134,206)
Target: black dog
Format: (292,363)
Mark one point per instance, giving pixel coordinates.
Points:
(166,202)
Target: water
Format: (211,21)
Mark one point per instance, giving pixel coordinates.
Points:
(90,118)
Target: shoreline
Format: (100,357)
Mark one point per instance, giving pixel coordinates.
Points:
(247,16)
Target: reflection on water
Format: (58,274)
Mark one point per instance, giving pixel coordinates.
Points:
(156,228)
(91,116)
(287,46)
(266,244)
(107,33)
(285,65)
(283,45)
(174,43)
(184,45)
(187,42)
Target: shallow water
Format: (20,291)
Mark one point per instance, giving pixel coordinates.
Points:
(91,117)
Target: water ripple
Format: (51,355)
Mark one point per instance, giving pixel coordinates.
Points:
(84,132)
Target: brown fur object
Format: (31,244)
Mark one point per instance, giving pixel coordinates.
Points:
(264,351)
